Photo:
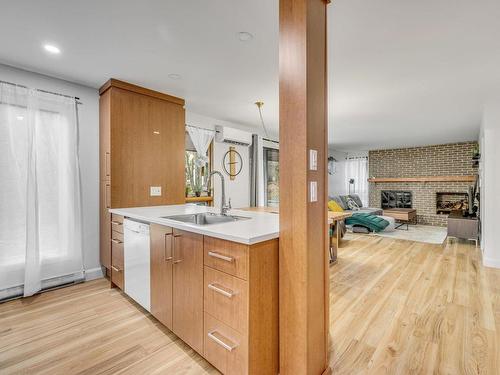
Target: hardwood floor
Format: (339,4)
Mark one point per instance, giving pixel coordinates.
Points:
(401,307)
(89,329)
(397,307)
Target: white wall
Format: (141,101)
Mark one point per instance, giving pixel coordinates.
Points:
(337,182)
(89,152)
(238,189)
(490,183)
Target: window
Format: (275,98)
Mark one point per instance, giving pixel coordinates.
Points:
(271,177)
(196,176)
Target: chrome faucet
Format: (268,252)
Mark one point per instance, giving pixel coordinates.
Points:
(224,208)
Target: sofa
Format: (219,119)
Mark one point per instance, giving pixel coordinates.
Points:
(342,202)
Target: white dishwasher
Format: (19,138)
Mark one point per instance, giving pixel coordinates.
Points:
(136,262)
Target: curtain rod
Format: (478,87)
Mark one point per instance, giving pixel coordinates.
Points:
(45,91)
(199,127)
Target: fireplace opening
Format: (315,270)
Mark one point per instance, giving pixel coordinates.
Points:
(395,199)
(447,202)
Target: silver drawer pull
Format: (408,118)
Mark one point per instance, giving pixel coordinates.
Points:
(116,241)
(228,347)
(216,288)
(220,256)
(116,269)
(116,223)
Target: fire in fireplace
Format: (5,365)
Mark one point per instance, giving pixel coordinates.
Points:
(447,202)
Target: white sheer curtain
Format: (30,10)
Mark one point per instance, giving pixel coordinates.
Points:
(357,170)
(201,139)
(40,204)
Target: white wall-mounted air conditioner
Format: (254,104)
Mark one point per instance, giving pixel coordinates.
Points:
(233,136)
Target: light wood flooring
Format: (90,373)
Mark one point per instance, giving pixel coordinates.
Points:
(397,307)
(400,307)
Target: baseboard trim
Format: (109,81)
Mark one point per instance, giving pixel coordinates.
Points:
(93,273)
(491,262)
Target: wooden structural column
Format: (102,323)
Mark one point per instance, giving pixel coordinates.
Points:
(303,256)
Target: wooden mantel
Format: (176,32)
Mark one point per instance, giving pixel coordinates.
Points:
(424,179)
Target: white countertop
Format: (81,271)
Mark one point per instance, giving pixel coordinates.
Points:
(260,227)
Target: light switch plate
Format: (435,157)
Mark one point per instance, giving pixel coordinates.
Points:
(313,160)
(313,191)
(155,191)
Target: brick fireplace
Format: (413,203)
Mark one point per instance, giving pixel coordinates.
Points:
(440,160)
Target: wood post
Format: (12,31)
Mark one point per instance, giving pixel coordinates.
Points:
(303,257)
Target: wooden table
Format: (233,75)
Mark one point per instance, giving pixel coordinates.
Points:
(404,215)
(336,223)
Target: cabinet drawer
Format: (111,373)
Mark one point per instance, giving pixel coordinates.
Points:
(117,223)
(117,236)
(225,348)
(226,256)
(226,298)
(117,277)
(117,254)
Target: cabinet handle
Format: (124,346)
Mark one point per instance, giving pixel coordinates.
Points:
(107,163)
(211,335)
(116,269)
(116,241)
(216,288)
(220,256)
(173,250)
(116,222)
(168,248)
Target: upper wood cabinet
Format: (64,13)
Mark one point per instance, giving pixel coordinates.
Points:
(142,138)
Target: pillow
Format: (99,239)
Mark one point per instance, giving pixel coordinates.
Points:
(339,201)
(344,199)
(334,206)
(351,203)
(356,199)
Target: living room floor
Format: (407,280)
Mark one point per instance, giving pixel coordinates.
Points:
(403,307)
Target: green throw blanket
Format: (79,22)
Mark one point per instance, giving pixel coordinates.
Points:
(372,222)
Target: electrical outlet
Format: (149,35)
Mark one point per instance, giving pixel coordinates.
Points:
(155,191)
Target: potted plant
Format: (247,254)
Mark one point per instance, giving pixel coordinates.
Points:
(197,188)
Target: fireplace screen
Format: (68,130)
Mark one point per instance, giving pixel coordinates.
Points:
(447,202)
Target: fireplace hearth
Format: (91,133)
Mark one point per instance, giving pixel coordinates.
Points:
(447,202)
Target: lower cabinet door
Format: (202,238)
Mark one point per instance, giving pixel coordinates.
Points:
(188,288)
(161,273)
(225,347)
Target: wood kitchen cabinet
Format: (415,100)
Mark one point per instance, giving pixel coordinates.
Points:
(218,296)
(161,251)
(188,288)
(141,144)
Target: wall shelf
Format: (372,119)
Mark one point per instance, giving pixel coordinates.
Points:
(424,179)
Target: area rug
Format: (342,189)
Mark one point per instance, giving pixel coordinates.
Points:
(418,233)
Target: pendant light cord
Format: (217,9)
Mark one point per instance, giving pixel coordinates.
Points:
(259,106)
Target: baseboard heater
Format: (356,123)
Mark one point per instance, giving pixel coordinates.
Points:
(47,285)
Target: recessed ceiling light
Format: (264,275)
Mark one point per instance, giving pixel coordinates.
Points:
(245,36)
(174,76)
(52,49)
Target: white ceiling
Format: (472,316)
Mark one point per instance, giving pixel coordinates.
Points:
(402,72)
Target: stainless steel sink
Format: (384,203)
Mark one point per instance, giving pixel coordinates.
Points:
(205,218)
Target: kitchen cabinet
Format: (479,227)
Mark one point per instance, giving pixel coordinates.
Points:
(117,261)
(188,288)
(218,296)
(161,238)
(141,144)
